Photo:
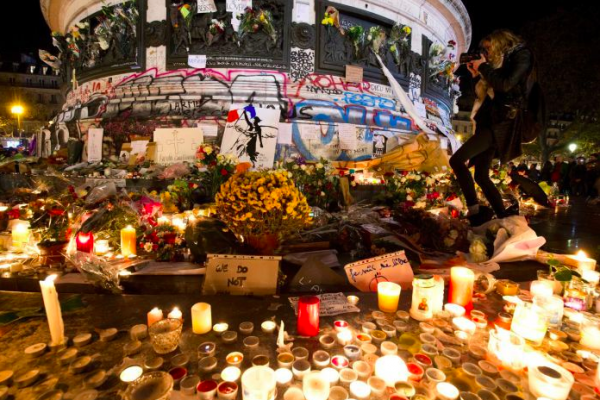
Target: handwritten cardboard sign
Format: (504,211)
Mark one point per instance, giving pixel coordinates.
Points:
(331,304)
(354,74)
(241,275)
(206,6)
(393,267)
(177,145)
(94,144)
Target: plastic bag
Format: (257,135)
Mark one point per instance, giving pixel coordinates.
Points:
(175,171)
(101,193)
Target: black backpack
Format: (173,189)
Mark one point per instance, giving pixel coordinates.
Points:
(534,113)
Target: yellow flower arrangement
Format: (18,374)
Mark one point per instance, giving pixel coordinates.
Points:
(254,204)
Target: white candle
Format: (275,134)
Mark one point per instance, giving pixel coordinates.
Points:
(283,376)
(231,374)
(464,324)
(331,375)
(130,374)
(220,328)
(201,318)
(175,314)
(447,391)
(53,312)
(391,369)
(592,277)
(154,315)
(258,383)
(455,310)
(268,326)
(20,234)
(360,390)
(315,386)
(344,337)
(389,349)
(542,289)
(581,261)
(101,247)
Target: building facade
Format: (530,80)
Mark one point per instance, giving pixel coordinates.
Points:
(174,64)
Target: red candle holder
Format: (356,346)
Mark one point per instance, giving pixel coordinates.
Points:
(85,242)
(308,316)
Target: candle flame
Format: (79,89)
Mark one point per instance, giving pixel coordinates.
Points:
(51,278)
(581,254)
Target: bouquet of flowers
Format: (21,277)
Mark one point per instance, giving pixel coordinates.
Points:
(376,38)
(398,39)
(215,169)
(164,241)
(314,180)
(356,34)
(255,20)
(178,196)
(263,208)
(188,10)
(215,29)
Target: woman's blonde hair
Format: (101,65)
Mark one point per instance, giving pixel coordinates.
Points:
(501,42)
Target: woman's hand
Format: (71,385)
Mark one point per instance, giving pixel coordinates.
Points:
(476,63)
(473,71)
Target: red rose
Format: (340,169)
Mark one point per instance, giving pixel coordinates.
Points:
(224,172)
(404,173)
(56,212)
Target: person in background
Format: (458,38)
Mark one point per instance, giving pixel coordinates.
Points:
(577,176)
(567,167)
(497,134)
(556,175)
(545,175)
(533,173)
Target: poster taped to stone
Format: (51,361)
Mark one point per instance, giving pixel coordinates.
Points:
(237,6)
(347,135)
(241,275)
(251,135)
(177,145)
(393,267)
(285,133)
(94,144)
(139,146)
(331,304)
(205,6)
(197,60)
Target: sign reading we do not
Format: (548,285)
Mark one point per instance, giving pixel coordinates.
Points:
(241,275)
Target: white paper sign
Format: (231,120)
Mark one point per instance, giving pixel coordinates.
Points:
(241,275)
(421,110)
(139,146)
(209,130)
(205,6)
(285,133)
(237,6)
(309,131)
(347,134)
(331,304)
(177,145)
(302,12)
(393,267)
(94,144)
(197,60)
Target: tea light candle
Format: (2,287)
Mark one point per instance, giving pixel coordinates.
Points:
(388,295)
(363,338)
(368,327)
(338,393)
(368,348)
(464,324)
(300,368)
(128,241)
(446,391)
(327,341)
(308,316)
(138,332)
(293,393)
(340,325)
(315,386)
(541,289)
(353,299)
(593,277)
(206,349)
(53,312)
(234,359)
(363,369)
(403,315)
(461,286)
(300,353)
(130,374)
(377,385)
(20,234)
(505,287)
(340,362)
(344,338)
(268,326)
(285,360)
(389,349)
(321,358)
(246,328)
(201,318)
(85,242)
(352,352)
(175,314)
(229,337)
(581,261)
(101,247)
(391,369)
(260,361)
(154,315)
(207,364)
(347,376)
(220,328)
(331,375)
(251,342)
(389,330)
(284,377)
(231,374)
(360,390)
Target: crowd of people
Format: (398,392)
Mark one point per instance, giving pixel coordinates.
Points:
(572,176)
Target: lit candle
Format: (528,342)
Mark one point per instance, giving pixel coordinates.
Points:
(463,324)
(353,299)
(259,383)
(162,221)
(360,390)
(201,318)
(388,295)
(101,247)
(53,312)
(592,277)
(220,328)
(581,261)
(461,287)
(154,315)
(128,241)
(541,289)
(284,377)
(234,359)
(175,314)
(446,391)
(344,337)
(321,358)
(331,375)
(530,322)
(340,325)
(308,316)
(391,369)
(315,386)
(85,242)
(231,374)
(130,374)
(268,326)
(20,234)
(455,310)
(590,334)
(340,362)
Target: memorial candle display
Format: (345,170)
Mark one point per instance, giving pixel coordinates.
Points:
(175,314)
(391,369)
(128,241)
(388,296)
(53,312)
(201,318)
(308,316)
(530,322)
(427,297)
(461,287)
(581,261)
(154,315)
(20,235)
(541,289)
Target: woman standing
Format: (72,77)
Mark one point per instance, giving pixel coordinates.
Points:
(496,134)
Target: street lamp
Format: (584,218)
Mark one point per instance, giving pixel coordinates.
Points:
(572,147)
(18,110)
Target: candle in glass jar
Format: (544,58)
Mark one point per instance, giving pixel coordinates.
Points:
(461,287)
(593,277)
(231,374)
(315,386)
(344,337)
(234,359)
(581,261)
(175,314)
(53,312)
(201,318)
(388,295)
(85,242)
(541,289)
(308,316)
(20,235)
(128,241)
(101,247)
(391,369)
(154,315)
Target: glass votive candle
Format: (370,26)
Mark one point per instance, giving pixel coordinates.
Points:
(227,391)
(229,337)
(234,359)
(415,372)
(389,330)
(331,375)
(328,341)
(207,364)
(368,348)
(401,326)
(360,390)
(207,389)
(231,374)
(251,342)
(452,354)
(321,359)
(367,327)
(285,360)
(352,352)
(300,368)
(389,349)
(347,376)
(300,353)
(378,336)
(405,389)
(206,349)
(187,386)
(268,326)
(338,393)
(363,369)
(339,362)
(220,328)
(363,338)
(165,335)
(388,295)
(464,324)
(260,361)
(284,377)
(246,328)
(353,299)
(446,391)
(345,337)
(455,310)
(340,325)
